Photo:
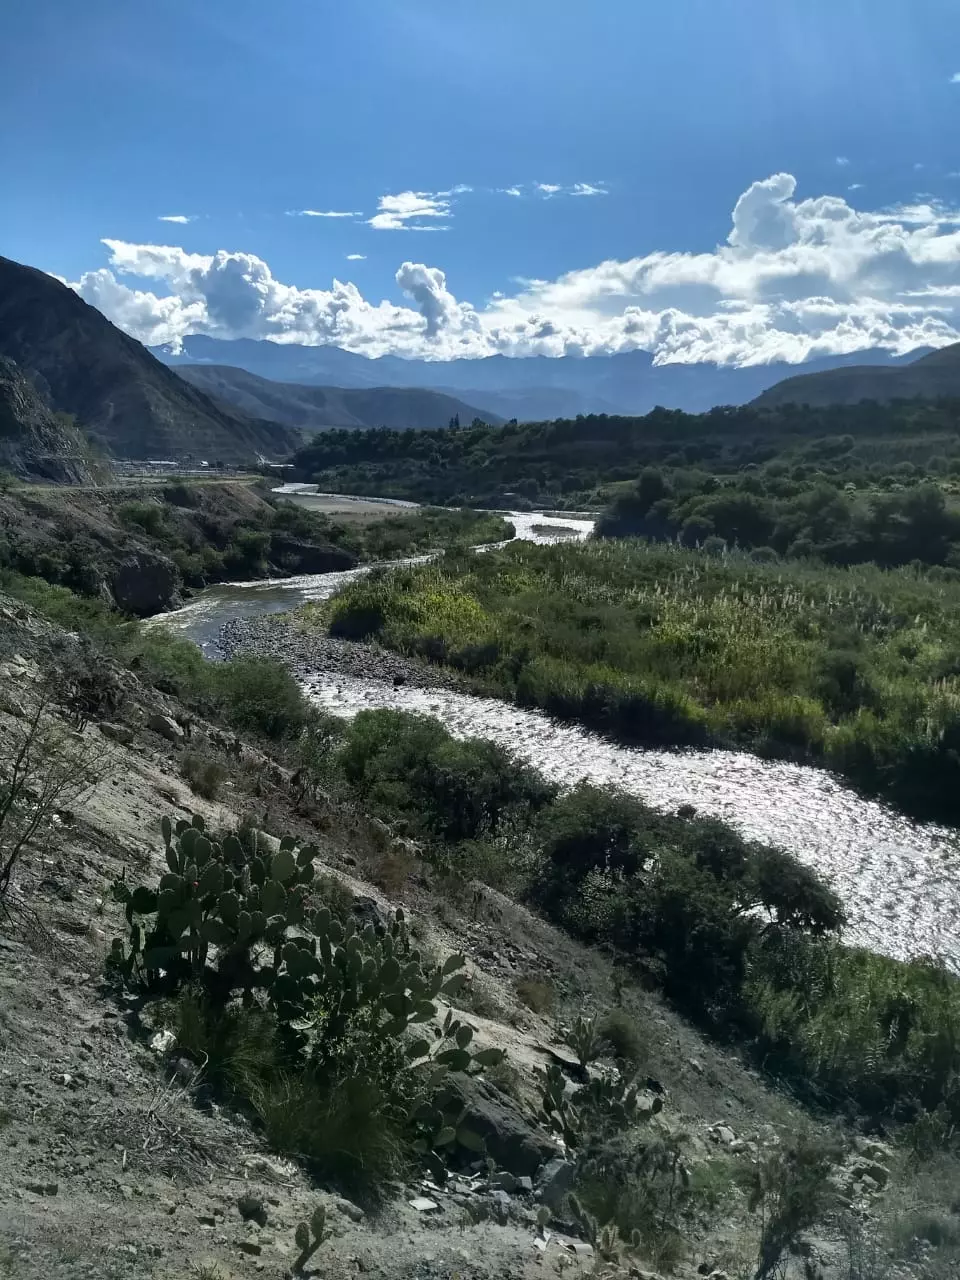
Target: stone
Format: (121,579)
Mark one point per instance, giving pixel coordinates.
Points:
(695,1066)
(525,1185)
(349,1209)
(723,1133)
(511,1140)
(424,1205)
(43,1188)
(116,732)
(162,1042)
(165,726)
(556,1182)
(870,1169)
(250,1246)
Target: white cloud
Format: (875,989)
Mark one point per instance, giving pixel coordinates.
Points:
(405,211)
(587,189)
(182,218)
(549,188)
(794,278)
(955,78)
(510,191)
(323,213)
(356,257)
(842,161)
(855,186)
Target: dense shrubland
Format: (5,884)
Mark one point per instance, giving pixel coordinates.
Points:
(853,668)
(740,937)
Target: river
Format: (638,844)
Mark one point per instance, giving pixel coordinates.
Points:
(899,880)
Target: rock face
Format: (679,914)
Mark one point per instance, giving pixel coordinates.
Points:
(144,583)
(34,443)
(82,364)
(513,1143)
(308,557)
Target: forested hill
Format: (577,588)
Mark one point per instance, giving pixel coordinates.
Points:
(574,461)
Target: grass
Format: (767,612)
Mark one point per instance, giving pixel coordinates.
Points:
(539,996)
(204,776)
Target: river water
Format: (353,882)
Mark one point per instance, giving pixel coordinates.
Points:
(899,880)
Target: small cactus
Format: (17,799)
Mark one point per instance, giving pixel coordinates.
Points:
(309,1237)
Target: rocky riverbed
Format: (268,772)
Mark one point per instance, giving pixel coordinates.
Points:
(309,654)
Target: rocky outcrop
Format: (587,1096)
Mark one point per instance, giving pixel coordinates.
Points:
(513,1142)
(296,556)
(144,583)
(36,444)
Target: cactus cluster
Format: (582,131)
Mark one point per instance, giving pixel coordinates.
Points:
(584,1039)
(607,1103)
(215,896)
(606,1240)
(229,917)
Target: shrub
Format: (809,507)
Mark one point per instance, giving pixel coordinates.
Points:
(260,696)
(536,993)
(204,776)
(407,765)
(147,516)
(621,1035)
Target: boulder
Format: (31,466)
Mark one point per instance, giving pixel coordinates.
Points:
(297,556)
(166,727)
(513,1142)
(556,1182)
(118,732)
(144,583)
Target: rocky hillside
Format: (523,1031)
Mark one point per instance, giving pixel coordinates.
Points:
(933,377)
(134,406)
(36,444)
(311,408)
(124,1159)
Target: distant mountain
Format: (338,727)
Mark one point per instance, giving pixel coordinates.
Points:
(531,389)
(131,403)
(929,377)
(36,444)
(312,408)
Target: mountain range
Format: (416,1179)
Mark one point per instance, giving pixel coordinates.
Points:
(312,408)
(531,389)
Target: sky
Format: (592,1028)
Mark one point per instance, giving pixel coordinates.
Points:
(730,180)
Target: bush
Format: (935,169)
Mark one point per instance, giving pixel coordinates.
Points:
(147,516)
(204,776)
(536,993)
(260,696)
(406,765)
(621,1035)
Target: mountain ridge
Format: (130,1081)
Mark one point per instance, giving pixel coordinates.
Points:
(933,376)
(130,403)
(313,408)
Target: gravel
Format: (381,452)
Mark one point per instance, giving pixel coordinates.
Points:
(308,653)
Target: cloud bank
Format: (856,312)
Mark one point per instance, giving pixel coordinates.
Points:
(794,278)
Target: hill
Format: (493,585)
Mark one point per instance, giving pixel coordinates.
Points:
(134,406)
(36,444)
(535,388)
(312,408)
(935,376)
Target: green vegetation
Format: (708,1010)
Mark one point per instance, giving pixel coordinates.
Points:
(323,1048)
(577,463)
(740,937)
(212,533)
(852,668)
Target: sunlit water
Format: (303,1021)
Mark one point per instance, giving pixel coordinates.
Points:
(899,880)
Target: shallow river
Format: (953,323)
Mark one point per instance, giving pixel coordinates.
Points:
(899,880)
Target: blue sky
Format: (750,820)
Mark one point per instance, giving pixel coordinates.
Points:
(651,118)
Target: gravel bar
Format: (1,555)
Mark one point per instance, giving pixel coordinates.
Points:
(308,653)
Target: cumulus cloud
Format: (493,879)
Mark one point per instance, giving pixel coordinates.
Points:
(323,213)
(356,257)
(182,218)
(794,278)
(510,191)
